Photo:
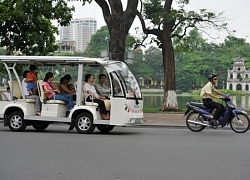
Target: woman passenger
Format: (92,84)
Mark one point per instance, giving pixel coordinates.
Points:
(66,87)
(53,93)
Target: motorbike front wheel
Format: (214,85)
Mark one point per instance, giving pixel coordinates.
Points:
(194,116)
(240,123)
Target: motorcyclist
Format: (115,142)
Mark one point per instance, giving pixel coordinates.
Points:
(207,95)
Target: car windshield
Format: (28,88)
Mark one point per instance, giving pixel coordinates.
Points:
(117,84)
(132,87)
(125,85)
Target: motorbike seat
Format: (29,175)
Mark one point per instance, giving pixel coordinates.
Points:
(197,104)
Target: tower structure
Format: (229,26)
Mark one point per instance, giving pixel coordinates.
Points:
(238,77)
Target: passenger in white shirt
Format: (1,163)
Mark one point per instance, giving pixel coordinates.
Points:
(90,92)
(8,94)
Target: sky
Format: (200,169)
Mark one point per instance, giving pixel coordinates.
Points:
(236,13)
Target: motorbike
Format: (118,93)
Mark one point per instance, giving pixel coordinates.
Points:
(199,116)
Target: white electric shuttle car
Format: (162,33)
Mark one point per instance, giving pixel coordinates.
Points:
(125,96)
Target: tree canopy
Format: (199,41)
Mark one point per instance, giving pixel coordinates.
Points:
(206,58)
(100,42)
(26,24)
(169,24)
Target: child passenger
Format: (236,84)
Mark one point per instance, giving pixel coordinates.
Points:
(7,94)
(31,79)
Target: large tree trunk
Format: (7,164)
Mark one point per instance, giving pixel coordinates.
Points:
(117,37)
(119,23)
(170,98)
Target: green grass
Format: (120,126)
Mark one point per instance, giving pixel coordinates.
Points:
(225,91)
(151,110)
(158,110)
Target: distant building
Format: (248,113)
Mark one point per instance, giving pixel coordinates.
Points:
(66,46)
(238,77)
(79,31)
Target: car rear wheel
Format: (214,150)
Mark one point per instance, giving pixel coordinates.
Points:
(39,125)
(105,128)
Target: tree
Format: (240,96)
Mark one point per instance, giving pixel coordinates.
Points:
(2,51)
(118,22)
(203,58)
(169,23)
(26,24)
(153,59)
(98,43)
(140,68)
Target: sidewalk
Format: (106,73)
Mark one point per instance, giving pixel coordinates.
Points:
(165,119)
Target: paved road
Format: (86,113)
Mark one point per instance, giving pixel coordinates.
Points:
(135,153)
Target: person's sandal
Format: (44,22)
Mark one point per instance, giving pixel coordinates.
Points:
(105,117)
(38,113)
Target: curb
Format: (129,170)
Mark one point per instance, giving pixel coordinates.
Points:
(176,127)
(161,126)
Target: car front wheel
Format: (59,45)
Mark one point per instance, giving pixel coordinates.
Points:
(16,121)
(84,123)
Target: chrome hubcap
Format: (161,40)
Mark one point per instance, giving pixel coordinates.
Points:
(84,123)
(16,121)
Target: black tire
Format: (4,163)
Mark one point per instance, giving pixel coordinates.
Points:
(105,128)
(16,121)
(195,117)
(40,125)
(84,123)
(240,123)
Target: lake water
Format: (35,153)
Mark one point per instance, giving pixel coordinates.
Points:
(155,100)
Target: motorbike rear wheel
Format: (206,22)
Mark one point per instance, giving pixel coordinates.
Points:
(194,116)
(240,123)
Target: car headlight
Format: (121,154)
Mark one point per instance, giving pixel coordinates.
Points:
(125,106)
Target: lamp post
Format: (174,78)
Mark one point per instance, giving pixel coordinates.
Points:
(131,58)
(140,81)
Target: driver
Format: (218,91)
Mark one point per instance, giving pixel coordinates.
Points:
(207,95)
(103,90)
(101,87)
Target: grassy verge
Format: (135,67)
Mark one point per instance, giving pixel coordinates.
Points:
(151,110)
(225,91)
(158,110)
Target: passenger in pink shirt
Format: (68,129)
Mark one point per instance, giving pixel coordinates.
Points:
(53,93)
